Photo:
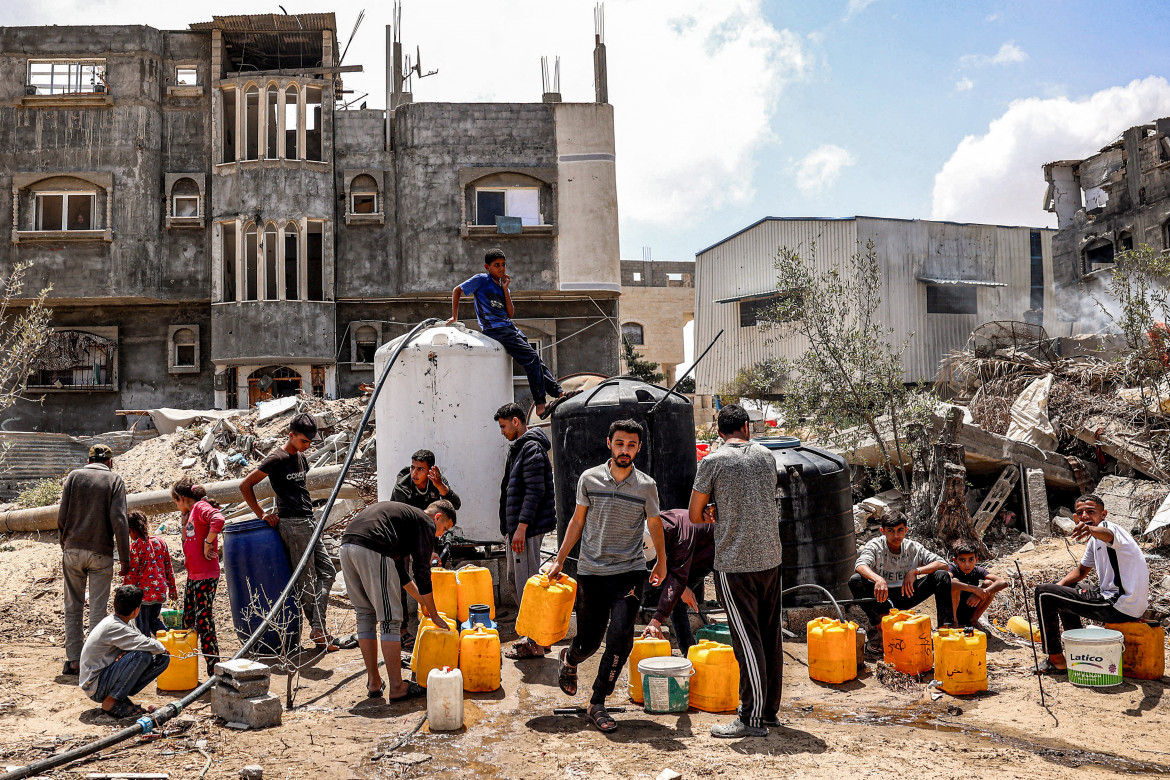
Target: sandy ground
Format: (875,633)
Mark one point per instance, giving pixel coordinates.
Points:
(861,729)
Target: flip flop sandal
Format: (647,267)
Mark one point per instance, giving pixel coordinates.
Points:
(1047,667)
(601,720)
(554,403)
(567,676)
(123,710)
(413,691)
(347,642)
(523,650)
(378,693)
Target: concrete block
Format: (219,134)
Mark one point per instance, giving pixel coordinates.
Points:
(243,669)
(1037,495)
(246,688)
(257,711)
(252,772)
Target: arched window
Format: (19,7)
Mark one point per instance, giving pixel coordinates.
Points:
(315,260)
(185,199)
(292,256)
(366,341)
(251,275)
(632,332)
(1125,241)
(228,257)
(228,120)
(291,121)
(363,195)
(184,348)
(314,146)
(272,119)
(252,123)
(271,288)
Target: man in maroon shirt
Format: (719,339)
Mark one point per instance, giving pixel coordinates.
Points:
(690,557)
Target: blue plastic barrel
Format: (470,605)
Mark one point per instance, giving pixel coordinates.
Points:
(257,571)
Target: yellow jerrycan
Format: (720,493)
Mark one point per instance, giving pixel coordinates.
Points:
(434,649)
(1022,628)
(479,659)
(426,624)
(474,587)
(907,640)
(715,685)
(445,590)
(1144,657)
(182,673)
(546,607)
(643,648)
(832,650)
(960,660)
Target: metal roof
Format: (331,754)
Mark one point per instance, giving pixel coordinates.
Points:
(962,282)
(269,23)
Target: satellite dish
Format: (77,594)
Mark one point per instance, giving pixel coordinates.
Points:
(265,382)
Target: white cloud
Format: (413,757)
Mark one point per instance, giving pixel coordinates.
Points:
(997,177)
(820,168)
(964,84)
(992,17)
(1008,54)
(857,6)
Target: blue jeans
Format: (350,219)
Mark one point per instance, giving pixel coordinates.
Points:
(149,620)
(541,382)
(130,674)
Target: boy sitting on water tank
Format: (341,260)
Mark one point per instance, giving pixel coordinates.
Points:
(494,310)
(972,586)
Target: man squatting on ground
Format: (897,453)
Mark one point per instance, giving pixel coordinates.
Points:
(690,557)
(286,469)
(900,571)
(615,503)
(375,547)
(117,661)
(90,519)
(1122,572)
(740,479)
(528,508)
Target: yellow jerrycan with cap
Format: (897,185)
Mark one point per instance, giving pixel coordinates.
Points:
(445,590)
(546,609)
(643,648)
(832,650)
(906,638)
(425,624)
(182,673)
(479,659)
(474,586)
(715,684)
(960,660)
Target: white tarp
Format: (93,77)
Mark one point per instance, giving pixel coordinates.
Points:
(1159,522)
(1030,423)
(267,409)
(169,420)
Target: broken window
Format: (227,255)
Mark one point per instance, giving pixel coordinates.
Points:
(313,145)
(66,77)
(366,341)
(315,257)
(272,117)
(185,199)
(252,123)
(952,299)
(1098,255)
(637,276)
(229,125)
(187,77)
(184,343)
(292,290)
(1125,241)
(271,288)
(1036,299)
(65,210)
(511,202)
(251,275)
(228,258)
(363,198)
(633,334)
(75,360)
(770,308)
(291,114)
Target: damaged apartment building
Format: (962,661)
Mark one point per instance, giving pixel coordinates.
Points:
(1113,201)
(218,227)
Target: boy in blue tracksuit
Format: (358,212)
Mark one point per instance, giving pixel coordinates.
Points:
(494,310)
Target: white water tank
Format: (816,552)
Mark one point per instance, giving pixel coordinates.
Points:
(441,396)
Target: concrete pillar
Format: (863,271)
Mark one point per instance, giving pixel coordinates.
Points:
(1066,194)
(1036,493)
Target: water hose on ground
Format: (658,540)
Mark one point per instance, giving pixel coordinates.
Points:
(148,723)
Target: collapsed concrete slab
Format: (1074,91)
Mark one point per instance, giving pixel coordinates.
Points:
(1131,502)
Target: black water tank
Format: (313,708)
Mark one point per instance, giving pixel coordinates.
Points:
(816,519)
(580,426)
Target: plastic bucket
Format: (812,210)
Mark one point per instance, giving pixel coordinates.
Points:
(1093,656)
(172,618)
(666,683)
(715,632)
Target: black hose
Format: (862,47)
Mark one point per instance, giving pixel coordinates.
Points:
(148,723)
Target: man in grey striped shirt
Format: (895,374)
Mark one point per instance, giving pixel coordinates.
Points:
(615,504)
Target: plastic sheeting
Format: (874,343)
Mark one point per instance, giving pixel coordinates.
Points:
(170,420)
(1030,423)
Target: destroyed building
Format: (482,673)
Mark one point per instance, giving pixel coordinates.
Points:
(1113,201)
(940,280)
(219,227)
(658,300)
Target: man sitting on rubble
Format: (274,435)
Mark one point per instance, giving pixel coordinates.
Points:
(117,660)
(901,573)
(1122,574)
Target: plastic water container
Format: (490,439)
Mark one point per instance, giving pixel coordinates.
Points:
(715,685)
(257,570)
(666,683)
(1093,656)
(714,632)
(479,659)
(182,673)
(960,660)
(478,615)
(172,618)
(444,699)
(643,648)
(425,625)
(474,587)
(907,640)
(546,609)
(832,650)
(445,591)
(1145,649)
(1022,628)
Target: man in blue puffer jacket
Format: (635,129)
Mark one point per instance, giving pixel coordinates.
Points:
(527,506)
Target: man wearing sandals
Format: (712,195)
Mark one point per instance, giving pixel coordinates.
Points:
(615,504)
(117,660)
(528,508)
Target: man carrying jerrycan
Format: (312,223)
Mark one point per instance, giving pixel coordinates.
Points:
(740,479)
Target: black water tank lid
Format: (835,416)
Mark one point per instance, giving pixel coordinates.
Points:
(779,442)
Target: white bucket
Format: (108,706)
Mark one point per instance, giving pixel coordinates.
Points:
(1093,656)
(666,683)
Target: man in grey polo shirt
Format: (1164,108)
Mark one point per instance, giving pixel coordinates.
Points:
(615,504)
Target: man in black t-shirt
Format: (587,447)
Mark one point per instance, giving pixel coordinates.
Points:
(385,548)
(285,470)
(972,586)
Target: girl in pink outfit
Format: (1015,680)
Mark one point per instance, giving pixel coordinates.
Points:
(150,569)
(202,524)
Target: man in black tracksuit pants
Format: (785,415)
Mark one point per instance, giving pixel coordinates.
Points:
(740,479)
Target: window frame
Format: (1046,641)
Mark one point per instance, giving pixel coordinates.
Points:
(107,332)
(356,364)
(175,206)
(98,76)
(179,69)
(641,342)
(508,191)
(65,195)
(173,364)
(970,294)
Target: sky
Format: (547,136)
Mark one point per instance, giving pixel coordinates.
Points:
(727,111)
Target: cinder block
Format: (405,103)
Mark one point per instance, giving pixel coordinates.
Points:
(245,688)
(257,711)
(1037,493)
(243,669)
